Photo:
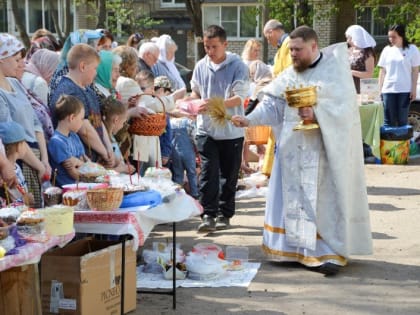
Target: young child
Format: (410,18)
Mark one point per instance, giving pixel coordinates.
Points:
(82,61)
(183,154)
(66,151)
(13,137)
(114,115)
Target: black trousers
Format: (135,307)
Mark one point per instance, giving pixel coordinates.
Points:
(220,164)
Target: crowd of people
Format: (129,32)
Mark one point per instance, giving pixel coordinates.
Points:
(80,97)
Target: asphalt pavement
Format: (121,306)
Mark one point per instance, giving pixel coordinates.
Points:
(387,282)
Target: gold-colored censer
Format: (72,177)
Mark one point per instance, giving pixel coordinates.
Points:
(302,97)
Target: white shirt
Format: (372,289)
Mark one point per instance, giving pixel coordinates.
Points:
(398,64)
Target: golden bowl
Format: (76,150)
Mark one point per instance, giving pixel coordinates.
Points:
(302,97)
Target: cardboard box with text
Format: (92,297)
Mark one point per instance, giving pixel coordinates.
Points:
(84,278)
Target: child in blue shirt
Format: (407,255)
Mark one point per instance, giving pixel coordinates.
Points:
(65,150)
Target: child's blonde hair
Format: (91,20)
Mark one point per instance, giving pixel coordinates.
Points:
(110,108)
(79,53)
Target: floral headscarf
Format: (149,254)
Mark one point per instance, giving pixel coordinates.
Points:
(9,45)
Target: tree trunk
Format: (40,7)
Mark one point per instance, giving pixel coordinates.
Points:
(265,18)
(68,25)
(54,17)
(102,14)
(194,12)
(20,26)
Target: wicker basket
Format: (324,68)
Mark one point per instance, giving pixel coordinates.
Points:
(88,178)
(149,125)
(106,199)
(257,134)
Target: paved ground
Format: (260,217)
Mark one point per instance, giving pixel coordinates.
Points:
(388,282)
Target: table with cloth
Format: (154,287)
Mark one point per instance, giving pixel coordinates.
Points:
(31,252)
(372,118)
(19,277)
(138,222)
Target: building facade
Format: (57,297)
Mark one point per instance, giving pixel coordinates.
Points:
(240,18)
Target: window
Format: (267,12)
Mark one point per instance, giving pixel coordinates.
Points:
(373,23)
(238,21)
(172,3)
(36,14)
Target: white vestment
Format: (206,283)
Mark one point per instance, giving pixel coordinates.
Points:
(317,208)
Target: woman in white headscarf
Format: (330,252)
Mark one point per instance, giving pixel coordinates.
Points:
(361,53)
(166,62)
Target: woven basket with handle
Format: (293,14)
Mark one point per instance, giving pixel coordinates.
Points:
(149,125)
(257,134)
(106,199)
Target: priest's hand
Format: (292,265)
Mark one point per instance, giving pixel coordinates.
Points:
(240,121)
(307,114)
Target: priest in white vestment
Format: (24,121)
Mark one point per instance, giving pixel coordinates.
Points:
(317,210)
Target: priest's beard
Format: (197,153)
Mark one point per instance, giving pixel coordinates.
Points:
(301,65)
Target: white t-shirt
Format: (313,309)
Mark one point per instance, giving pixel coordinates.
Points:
(398,64)
(37,85)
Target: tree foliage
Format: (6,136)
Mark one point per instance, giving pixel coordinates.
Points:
(297,12)
(292,13)
(405,12)
(125,18)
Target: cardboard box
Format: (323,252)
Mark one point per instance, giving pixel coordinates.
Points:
(84,278)
(19,291)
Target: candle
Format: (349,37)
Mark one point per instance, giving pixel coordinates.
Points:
(7,193)
(54,177)
(87,141)
(138,167)
(157,157)
(128,167)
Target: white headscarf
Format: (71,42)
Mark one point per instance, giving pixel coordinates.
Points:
(360,37)
(163,42)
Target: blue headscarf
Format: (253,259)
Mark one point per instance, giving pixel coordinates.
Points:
(83,36)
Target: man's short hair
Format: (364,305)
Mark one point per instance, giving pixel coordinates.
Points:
(214,31)
(305,32)
(79,53)
(273,24)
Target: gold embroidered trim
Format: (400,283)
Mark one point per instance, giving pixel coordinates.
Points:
(306,260)
(282,231)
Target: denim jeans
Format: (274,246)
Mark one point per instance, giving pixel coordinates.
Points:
(183,159)
(220,163)
(396,107)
